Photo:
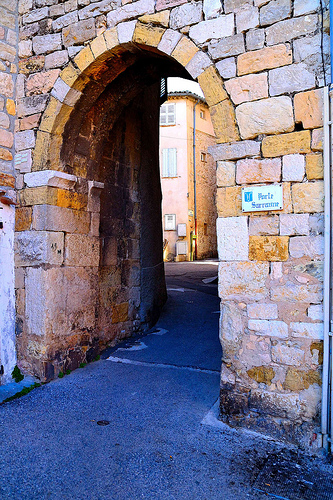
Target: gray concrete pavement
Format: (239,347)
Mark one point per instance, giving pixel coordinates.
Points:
(163,440)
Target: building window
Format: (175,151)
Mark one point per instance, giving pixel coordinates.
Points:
(168,114)
(202,114)
(203,157)
(205,229)
(170,222)
(169,162)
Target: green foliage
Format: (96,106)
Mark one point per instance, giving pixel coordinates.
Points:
(97,358)
(82,365)
(24,391)
(17,375)
(68,372)
(61,374)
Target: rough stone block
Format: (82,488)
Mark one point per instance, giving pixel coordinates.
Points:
(84,58)
(78,33)
(292,78)
(232,238)
(7,180)
(169,41)
(309,108)
(46,43)
(252,171)
(302,7)
(147,34)
(120,313)
(308,197)
(288,353)
(35,15)
(266,58)
(229,201)
(307,330)
(306,246)
(184,51)
(31,105)
(247,88)
(52,218)
(131,11)
(125,31)
(255,39)
(212,86)
(264,226)
(52,313)
(56,59)
(291,28)
(225,173)
(30,65)
(275,11)
(226,47)
(243,280)
(207,30)
(5,154)
(33,248)
(316,312)
(82,250)
(262,311)
(212,8)
(66,20)
(294,224)
(224,122)
(4,120)
(269,328)
(111,38)
(316,222)
(226,67)
(317,139)
(186,15)
(23,218)
(285,144)
(314,166)
(162,18)
(198,64)
(41,83)
(271,248)
(235,151)
(300,380)
(25,48)
(290,292)
(6,85)
(293,167)
(24,140)
(247,18)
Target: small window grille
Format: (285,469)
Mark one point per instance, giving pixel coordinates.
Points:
(168,114)
(170,222)
(203,157)
(169,162)
(202,114)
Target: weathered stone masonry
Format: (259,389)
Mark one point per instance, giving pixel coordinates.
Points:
(261,67)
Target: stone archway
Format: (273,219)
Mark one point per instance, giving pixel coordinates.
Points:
(78,296)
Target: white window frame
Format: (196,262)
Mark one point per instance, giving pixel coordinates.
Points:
(169,162)
(170,222)
(168,114)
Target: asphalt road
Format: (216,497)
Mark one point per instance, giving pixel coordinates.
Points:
(157,395)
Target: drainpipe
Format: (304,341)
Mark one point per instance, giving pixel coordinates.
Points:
(195,187)
(327,415)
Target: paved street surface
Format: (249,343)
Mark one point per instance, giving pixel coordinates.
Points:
(158,396)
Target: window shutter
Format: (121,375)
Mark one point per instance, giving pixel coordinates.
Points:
(165,163)
(172,162)
(169,162)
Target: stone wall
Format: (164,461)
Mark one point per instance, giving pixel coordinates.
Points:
(8,71)
(261,67)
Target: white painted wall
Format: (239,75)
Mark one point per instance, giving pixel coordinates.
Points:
(7,293)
